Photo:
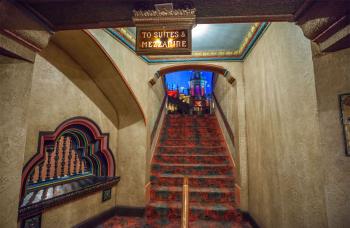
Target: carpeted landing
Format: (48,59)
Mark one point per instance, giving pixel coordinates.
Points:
(190,146)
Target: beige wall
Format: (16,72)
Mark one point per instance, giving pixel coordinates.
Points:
(136,72)
(15,87)
(286,179)
(54,98)
(332,75)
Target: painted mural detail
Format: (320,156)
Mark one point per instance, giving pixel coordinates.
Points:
(72,161)
(345,118)
(62,161)
(189,92)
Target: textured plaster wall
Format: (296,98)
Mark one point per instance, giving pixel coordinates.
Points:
(137,75)
(53,99)
(286,178)
(15,87)
(332,76)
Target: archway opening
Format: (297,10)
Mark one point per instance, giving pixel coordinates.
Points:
(189,91)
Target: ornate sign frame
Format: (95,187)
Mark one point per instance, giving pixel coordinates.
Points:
(171,21)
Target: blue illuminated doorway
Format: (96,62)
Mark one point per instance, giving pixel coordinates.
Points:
(189,92)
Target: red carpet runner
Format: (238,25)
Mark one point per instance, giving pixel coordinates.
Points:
(192,146)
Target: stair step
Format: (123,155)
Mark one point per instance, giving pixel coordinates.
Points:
(197,158)
(194,180)
(185,142)
(191,150)
(212,211)
(204,194)
(191,169)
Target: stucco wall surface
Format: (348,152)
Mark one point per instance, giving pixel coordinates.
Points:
(53,99)
(15,87)
(332,76)
(133,68)
(284,156)
(136,73)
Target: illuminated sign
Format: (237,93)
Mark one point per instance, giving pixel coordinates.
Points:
(163,41)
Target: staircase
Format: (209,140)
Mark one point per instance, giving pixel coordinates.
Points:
(193,146)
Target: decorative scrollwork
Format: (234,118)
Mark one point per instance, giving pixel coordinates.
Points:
(165,13)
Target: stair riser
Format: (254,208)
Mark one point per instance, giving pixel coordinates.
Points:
(192,159)
(222,170)
(208,197)
(194,214)
(191,150)
(213,126)
(180,136)
(191,131)
(194,182)
(191,143)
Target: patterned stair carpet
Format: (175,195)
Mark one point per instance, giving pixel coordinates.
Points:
(193,146)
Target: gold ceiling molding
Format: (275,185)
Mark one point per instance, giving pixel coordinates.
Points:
(164,17)
(130,38)
(164,13)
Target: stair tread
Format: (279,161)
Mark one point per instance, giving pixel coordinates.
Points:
(193,189)
(193,176)
(191,164)
(194,205)
(194,147)
(192,155)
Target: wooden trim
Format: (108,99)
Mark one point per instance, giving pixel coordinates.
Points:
(250,219)
(155,127)
(302,9)
(38,16)
(96,220)
(119,210)
(130,211)
(9,54)
(227,125)
(16,37)
(332,29)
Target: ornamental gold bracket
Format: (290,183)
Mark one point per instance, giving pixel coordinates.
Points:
(164,17)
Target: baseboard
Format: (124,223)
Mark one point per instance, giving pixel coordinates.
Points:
(130,211)
(250,219)
(120,210)
(96,220)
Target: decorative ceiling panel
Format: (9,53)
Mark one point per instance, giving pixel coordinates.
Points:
(212,42)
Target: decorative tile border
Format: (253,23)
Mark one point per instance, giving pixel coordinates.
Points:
(124,36)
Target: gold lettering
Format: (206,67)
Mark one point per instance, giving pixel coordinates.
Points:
(144,44)
(184,44)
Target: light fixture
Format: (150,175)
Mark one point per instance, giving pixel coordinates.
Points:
(199,30)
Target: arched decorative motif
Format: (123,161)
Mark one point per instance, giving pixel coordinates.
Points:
(203,67)
(200,67)
(77,148)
